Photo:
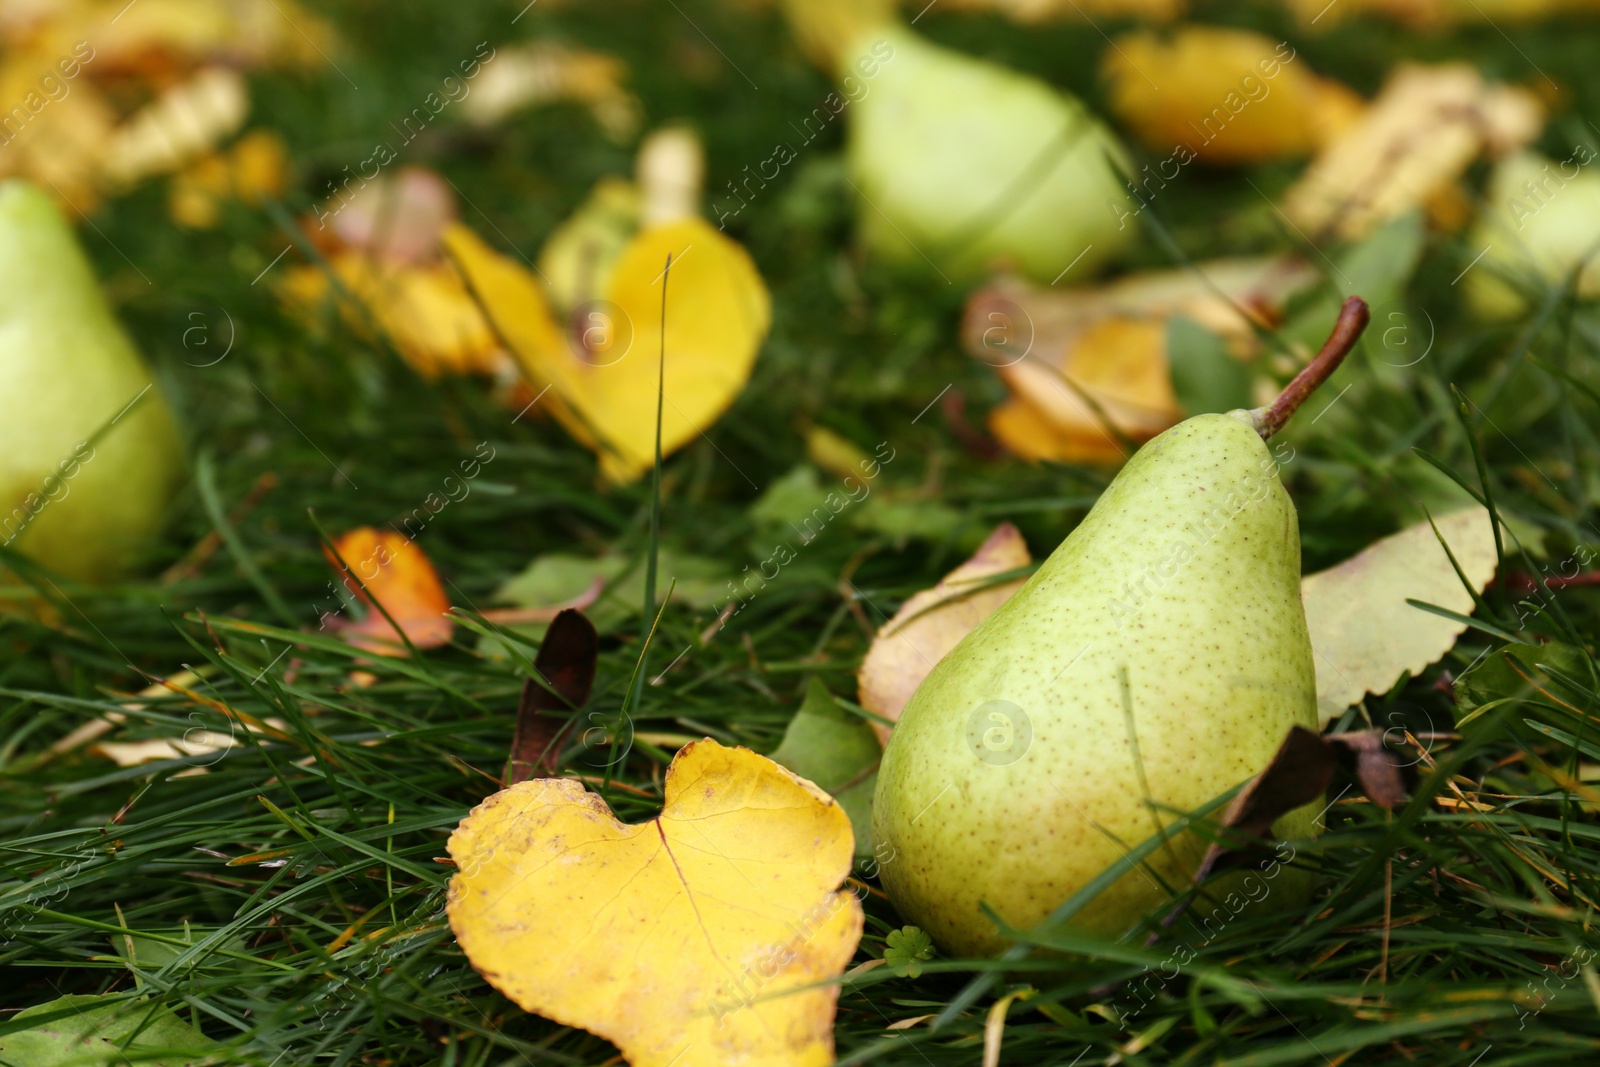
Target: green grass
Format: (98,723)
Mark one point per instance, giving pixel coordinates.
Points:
(1439,935)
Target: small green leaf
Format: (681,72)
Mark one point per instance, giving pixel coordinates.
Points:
(907,948)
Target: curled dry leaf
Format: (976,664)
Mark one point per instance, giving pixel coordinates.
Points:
(386,566)
(1075,359)
(934,621)
(545,73)
(1363,633)
(566,663)
(602,375)
(689,940)
(1224,96)
(1407,151)
(1300,772)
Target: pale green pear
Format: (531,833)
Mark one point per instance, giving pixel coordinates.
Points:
(82,490)
(963,165)
(1013,777)
(1541,221)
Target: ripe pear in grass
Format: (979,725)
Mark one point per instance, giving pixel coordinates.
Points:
(960,164)
(79,493)
(1154,661)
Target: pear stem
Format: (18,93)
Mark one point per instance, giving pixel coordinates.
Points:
(1353,318)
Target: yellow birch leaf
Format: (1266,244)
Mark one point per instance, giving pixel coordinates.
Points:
(1224,96)
(543,73)
(1421,133)
(689,940)
(603,371)
(1364,634)
(934,621)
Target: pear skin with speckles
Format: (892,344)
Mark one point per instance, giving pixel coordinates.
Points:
(1013,777)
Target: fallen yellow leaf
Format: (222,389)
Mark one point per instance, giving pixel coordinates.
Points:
(687,941)
(387,566)
(934,621)
(1085,366)
(252,170)
(425,311)
(1363,633)
(1224,96)
(1426,126)
(602,373)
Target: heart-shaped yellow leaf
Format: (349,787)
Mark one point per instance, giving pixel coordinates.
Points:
(691,940)
(601,370)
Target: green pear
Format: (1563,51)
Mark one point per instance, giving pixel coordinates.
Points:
(1154,661)
(963,165)
(84,479)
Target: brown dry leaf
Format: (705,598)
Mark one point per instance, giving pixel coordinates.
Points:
(1223,96)
(1436,14)
(1364,634)
(178,127)
(544,73)
(255,168)
(932,622)
(1075,358)
(689,940)
(386,566)
(1420,134)
(566,663)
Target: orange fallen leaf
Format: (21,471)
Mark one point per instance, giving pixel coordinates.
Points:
(689,940)
(1088,366)
(1421,133)
(386,566)
(1223,96)
(934,621)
